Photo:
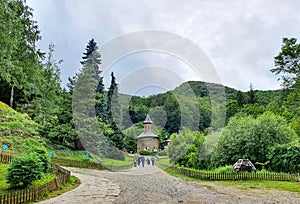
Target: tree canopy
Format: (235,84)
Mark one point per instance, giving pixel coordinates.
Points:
(251,138)
(287,62)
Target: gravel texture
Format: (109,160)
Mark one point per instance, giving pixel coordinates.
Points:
(151,185)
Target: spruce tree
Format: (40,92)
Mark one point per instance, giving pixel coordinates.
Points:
(240,98)
(251,95)
(92,57)
(112,93)
(114,113)
(100,100)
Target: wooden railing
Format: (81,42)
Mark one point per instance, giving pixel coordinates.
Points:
(38,192)
(89,165)
(79,164)
(118,168)
(214,176)
(31,194)
(5,158)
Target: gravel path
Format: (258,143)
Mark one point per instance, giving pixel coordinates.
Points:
(151,185)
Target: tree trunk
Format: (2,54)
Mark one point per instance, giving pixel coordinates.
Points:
(11,96)
(78,144)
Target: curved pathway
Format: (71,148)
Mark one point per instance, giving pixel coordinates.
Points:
(152,185)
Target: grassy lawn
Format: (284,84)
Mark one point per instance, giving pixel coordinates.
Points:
(113,162)
(73,155)
(3,173)
(73,183)
(163,160)
(5,187)
(80,156)
(245,185)
(269,185)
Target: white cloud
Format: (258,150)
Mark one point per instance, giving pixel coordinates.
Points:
(240,37)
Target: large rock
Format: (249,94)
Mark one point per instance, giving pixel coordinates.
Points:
(243,165)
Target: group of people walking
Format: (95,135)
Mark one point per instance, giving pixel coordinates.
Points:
(140,160)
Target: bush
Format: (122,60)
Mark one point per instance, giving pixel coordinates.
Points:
(143,152)
(251,138)
(162,152)
(224,169)
(185,148)
(285,158)
(24,170)
(43,157)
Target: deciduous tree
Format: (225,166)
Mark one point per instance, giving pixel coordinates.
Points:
(287,62)
(250,138)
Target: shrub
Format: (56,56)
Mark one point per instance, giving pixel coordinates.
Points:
(163,152)
(24,170)
(185,148)
(251,138)
(285,158)
(43,157)
(224,169)
(143,152)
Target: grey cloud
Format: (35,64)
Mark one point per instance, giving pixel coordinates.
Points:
(240,37)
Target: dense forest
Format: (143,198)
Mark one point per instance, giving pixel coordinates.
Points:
(210,126)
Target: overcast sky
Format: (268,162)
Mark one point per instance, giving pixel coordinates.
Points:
(240,38)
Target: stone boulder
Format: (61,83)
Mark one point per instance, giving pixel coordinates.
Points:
(243,165)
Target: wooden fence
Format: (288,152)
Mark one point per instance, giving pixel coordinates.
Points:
(38,192)
(118,168)
(88,165)
(74,163)
(5,158)
(214,176)
(31,194)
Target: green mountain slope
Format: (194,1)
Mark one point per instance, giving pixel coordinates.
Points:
(13,123)
(190,97)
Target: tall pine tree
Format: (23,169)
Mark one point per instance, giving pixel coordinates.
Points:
(92,58)
(251,95)
(240,98)
(114,113)
(100,100)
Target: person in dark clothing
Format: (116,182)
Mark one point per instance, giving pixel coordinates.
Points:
(139,161)
(152,160)
(143,161)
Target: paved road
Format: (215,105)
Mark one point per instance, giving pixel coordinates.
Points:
(151,185)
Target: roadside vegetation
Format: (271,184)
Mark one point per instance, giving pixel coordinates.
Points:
(243,185)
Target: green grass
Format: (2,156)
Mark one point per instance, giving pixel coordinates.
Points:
(244,185)
(3,173)
(20,145)
(13,123)
(73,155)
(266,185)
(46,178)
(113,162)
(5,187)
(163,160)
(73,183)
(80,156)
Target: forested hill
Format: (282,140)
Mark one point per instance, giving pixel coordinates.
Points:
(175,102)
(204,89)
(201,89)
